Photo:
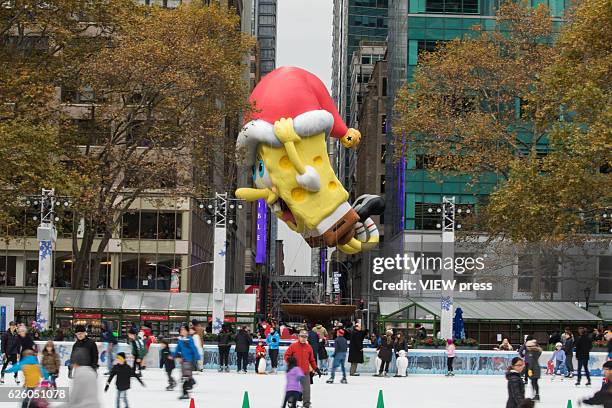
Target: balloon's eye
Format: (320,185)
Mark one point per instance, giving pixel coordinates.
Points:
(261,168)
(254,171)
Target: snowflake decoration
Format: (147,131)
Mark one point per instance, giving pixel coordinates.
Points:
(41,322)
(222,252)
(45,249)
(217,325)
(446,302)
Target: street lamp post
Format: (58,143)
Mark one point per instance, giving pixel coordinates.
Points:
(46,235)
(222,207)
(587,296)
(448,251)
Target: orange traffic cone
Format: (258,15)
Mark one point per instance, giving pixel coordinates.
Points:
(192,403)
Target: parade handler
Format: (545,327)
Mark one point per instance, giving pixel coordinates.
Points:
(304,356)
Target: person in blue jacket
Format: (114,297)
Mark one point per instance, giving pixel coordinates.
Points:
(187,351)
(273,341)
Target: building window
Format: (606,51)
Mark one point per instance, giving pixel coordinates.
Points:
(382,184)
(383,151)
(129,225)
(383,124)
(384,86)
(548,274)
(129,271)
(267,31)
(427,216)
(605,275)
(366,60)
(267,9)
(147,271)
(452,6)
(31,278)
(148,224)
(62,270)
(267,54)
(267,19)
(8,270)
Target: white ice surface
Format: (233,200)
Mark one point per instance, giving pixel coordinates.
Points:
(226,390)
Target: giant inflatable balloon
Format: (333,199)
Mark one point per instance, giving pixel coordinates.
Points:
(285,142)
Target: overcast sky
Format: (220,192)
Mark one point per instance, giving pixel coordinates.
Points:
(303,39)
(304,36)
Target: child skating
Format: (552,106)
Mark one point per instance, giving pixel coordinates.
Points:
(450,357)
(167,363)
(124,375)
(558,359)
(33,373)
(138,351)
(293,389)
(51,362)
(187,351)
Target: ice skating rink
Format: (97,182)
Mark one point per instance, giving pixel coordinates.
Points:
(225,390)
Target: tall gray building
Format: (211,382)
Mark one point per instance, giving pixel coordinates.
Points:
(264,28)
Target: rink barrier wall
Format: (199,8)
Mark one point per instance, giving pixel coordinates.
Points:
(420,361)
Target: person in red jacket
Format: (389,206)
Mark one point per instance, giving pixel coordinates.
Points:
(304,355)
(260,352)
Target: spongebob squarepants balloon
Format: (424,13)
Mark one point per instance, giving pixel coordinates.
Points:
(285,140)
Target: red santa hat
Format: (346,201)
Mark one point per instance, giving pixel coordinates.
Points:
(289,92)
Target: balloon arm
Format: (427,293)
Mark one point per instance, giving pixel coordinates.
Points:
(294,157)
(252,194)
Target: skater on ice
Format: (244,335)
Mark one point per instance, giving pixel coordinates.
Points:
(450,357)
(243,343)
(273,341)
(516,386)
(33,373)
(305,359)
(558,360)
(604,395)
(138,350)
(225,345)
(583,345)
(339,357)
(534,370)
(385,353)
(124,374)
(189,355)
(51,362)
(356,337)
(89,347)
(10,349)
(295,379)
(167,363)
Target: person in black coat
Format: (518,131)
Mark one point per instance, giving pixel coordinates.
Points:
(243,344)
(355,357)
(10,349)
(225,345)
(583,345)
(568,347)
(167,362)
(604,395)
(385,353)
(25,341)
(313,340)
(124,374)
(88,345)
(516,386)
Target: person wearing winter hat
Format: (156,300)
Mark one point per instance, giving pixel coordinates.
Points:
(84,390)
(284,139)
(532,356)
(339,357)
(124,374)
(604,395)
(88,345)
(558,360)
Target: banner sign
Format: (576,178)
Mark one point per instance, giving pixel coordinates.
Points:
(262,224)
(87,315)
(175,282)
(336,282)
(154,318)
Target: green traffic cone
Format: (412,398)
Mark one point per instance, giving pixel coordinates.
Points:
(245,400)
(381,401)
(569,403)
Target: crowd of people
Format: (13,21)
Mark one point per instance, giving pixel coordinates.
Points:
(306,357)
